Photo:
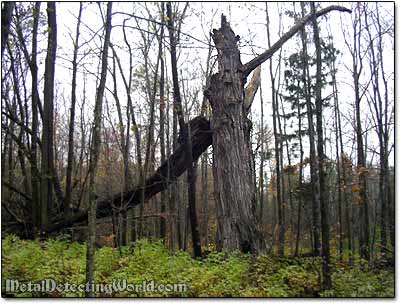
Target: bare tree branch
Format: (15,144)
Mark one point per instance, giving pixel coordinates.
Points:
(251,65)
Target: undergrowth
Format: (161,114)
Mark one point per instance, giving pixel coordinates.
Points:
(218,275)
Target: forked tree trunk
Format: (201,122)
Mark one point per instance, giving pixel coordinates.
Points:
(233,182)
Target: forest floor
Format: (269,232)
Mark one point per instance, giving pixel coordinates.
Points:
(217,275)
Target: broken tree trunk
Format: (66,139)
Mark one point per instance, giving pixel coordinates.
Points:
(201,140)
(232,168)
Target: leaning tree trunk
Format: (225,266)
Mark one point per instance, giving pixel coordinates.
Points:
(232,167)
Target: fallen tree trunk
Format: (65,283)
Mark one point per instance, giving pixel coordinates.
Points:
(201,139)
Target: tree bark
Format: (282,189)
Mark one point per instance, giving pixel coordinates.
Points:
(232,169)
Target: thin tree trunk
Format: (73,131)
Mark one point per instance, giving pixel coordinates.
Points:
(70,159)
(94,155)
(313,163)
(339,164)
(281,233)
(185,132)
(164,195)
(173,195)
(35,177)
(261,173)
(124,146)
(300,185)
(47,133)
(361,168)
(326,271)
(289,181)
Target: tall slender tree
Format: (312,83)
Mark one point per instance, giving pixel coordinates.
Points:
(185,133)
(70,159)
(326,273)
(94,156)
(47,163)
(279,195)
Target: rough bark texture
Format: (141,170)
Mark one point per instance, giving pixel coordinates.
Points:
(232,168)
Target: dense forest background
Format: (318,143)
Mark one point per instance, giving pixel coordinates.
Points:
(101,104)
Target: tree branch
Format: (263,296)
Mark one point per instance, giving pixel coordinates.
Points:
(251,88)
(251,65)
